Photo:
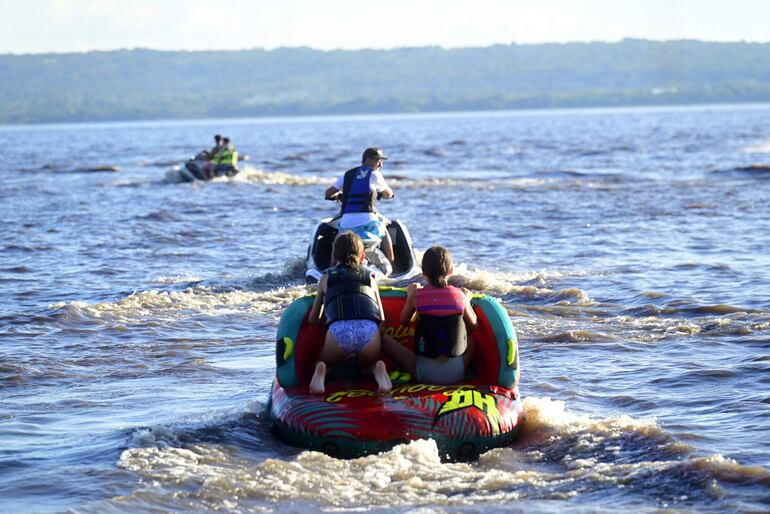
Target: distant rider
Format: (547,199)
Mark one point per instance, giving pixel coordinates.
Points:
(226,160)
(217,146)
(358,189)
(210,155)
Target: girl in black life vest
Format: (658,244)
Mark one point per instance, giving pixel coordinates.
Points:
(349,301)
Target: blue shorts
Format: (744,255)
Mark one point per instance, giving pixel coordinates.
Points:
(352,335)
(372,230)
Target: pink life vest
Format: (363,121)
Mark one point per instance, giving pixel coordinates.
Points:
(439,301)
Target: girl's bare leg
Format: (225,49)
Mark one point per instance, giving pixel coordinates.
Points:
(332,354)
(371,354)
(402,356)
(384,384)
(318,382)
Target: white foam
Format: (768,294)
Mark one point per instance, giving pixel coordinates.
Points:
(550,418)
(531,284)
(409,474)
(581,454)
(177,279)
(250,174)
(171,305)
(759,147)
(254,175)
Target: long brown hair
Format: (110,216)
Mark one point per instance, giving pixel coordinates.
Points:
(437,265)
(347,249)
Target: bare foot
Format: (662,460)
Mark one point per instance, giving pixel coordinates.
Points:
(382,378)
(319,379)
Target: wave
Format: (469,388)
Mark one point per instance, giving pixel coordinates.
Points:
(750,170)
(690,310)
(257,176)
(716,309)
(476,180)
(17,269)
(202,427)
(268,293)
(98,168)
(162,215)
(437,151)
(171,305)
(712,320)
(578,336)
(559,456)
(557,431)
(250,174)
(483,181)
(12,373)
(14,247)
(183,278)
(542,312)
(158,163)
(522,287)
(67,168)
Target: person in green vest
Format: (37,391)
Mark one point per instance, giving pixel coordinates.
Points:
(226,160)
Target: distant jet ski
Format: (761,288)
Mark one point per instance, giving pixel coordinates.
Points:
(319,252)
(200,168)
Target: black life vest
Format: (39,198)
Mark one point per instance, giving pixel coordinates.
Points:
(440,335)
(357,195)
(349,295)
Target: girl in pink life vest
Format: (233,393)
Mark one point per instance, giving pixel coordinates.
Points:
(443,349)
(349,301)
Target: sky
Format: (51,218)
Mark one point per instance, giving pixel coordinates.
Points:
(41,26)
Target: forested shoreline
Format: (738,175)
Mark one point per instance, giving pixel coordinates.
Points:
(145,84)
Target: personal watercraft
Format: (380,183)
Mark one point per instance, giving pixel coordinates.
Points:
(404,267)
(200,168)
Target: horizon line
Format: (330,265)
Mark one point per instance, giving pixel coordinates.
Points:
(385,49)
(421,114)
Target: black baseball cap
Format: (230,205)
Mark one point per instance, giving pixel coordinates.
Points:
(374,153)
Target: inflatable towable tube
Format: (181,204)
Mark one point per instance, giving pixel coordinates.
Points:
(351,419)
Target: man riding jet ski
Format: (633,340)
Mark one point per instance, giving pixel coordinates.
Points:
(358,190)
(388,244)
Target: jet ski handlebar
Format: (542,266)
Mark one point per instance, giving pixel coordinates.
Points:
(337,197)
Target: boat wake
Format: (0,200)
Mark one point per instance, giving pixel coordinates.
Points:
(265,294)
(560,455)
(251,175)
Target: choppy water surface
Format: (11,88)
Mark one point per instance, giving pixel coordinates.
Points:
(630,247)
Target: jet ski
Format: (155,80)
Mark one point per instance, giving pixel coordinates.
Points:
(200,168)
(405,267)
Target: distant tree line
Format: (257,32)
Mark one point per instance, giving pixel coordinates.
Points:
(148,84)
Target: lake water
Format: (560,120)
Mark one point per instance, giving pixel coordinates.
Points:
(630,247)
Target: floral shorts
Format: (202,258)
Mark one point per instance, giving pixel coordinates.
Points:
(353,335)
(374,230)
